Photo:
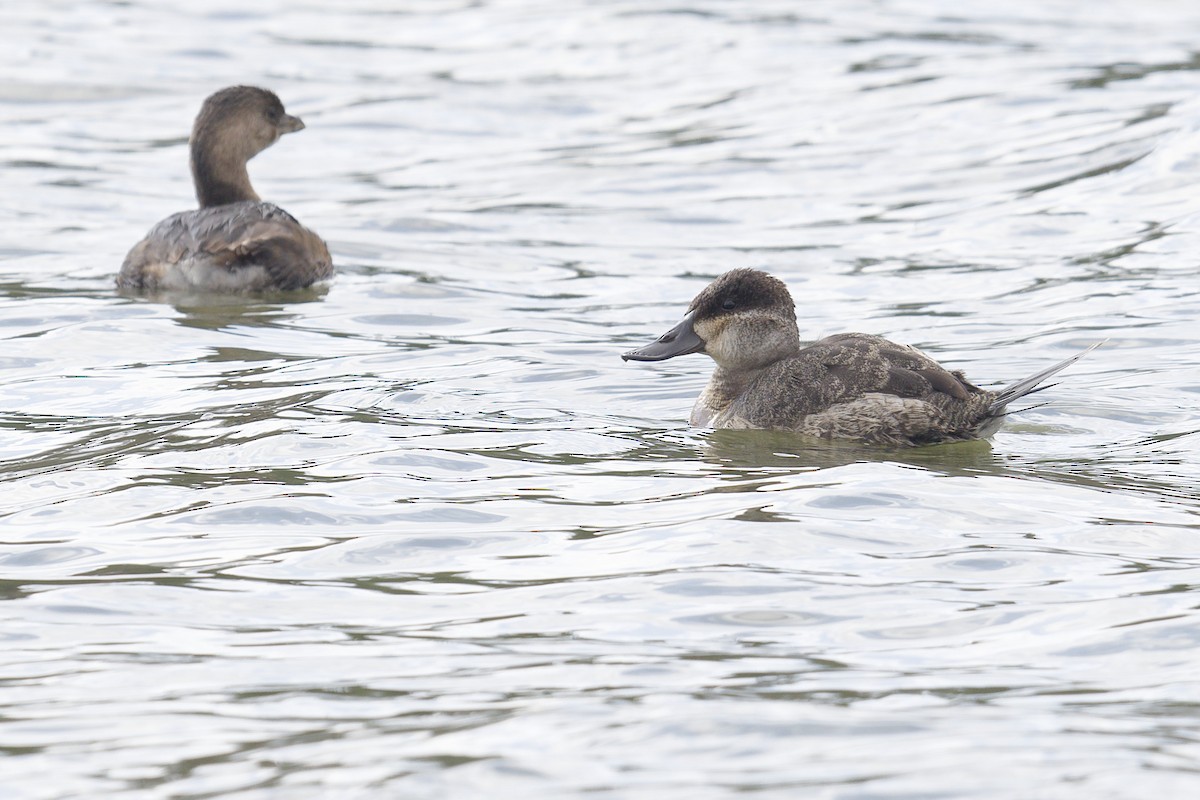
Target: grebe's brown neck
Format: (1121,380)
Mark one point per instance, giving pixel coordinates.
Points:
(220,176)
(234,125)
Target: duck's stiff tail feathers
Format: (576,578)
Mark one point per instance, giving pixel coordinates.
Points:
(1034,382)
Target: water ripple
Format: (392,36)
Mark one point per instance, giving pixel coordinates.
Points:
(422,532)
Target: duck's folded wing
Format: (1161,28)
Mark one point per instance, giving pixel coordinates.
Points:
(859,363)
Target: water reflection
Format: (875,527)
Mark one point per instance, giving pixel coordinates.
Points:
(218,312)
(744,454)
(775,449)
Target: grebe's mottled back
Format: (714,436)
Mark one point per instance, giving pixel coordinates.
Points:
(848,386)
(234,242)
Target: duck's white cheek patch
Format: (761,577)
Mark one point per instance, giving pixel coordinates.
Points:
(733,340)
(711,332)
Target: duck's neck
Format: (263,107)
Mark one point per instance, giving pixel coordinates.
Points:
(220,175)
(724,387)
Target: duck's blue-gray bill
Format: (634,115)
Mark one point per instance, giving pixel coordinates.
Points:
(679,341)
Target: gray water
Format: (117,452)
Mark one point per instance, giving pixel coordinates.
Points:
(422,534)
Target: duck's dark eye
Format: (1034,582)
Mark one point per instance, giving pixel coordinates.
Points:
(273,114)
(729,305)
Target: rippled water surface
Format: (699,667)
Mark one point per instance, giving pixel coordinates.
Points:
(422,534)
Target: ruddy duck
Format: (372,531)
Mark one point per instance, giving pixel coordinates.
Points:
(849,386)
(234,242)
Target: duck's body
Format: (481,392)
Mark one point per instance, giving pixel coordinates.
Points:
(850,386)
(234,242)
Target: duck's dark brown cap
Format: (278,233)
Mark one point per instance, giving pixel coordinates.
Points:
(746,287)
